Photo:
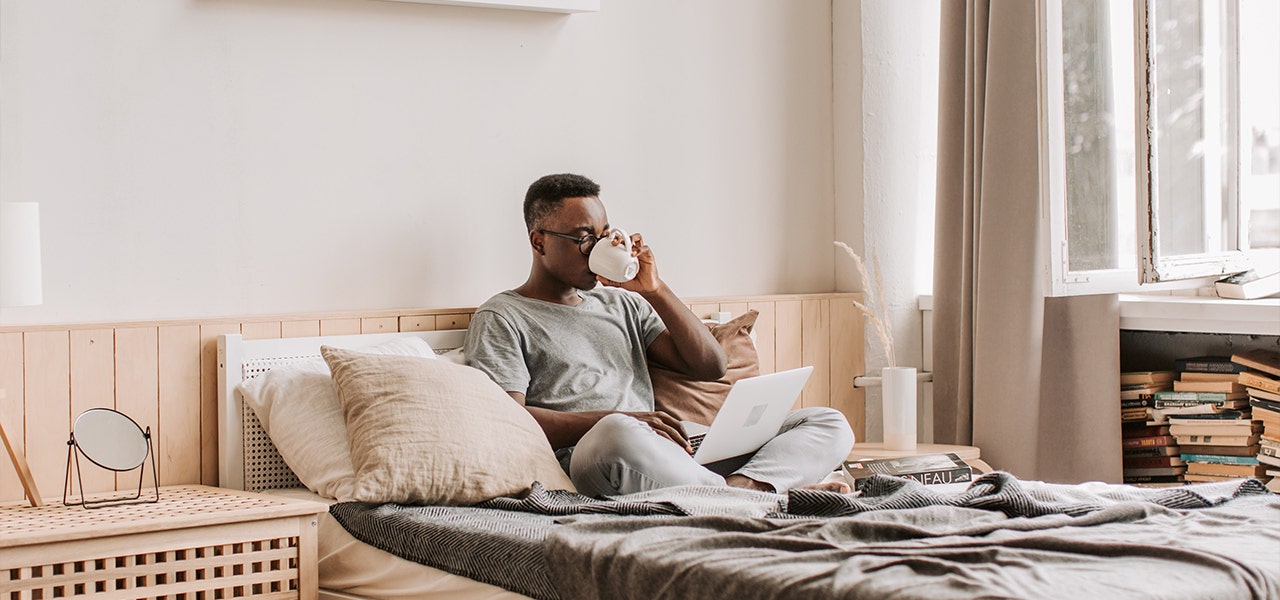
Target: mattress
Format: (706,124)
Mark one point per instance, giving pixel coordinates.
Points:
(355,569)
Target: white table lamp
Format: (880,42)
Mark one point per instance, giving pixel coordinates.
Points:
(20,285)
(20,277)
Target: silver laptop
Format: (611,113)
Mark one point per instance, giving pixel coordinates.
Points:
(751,415)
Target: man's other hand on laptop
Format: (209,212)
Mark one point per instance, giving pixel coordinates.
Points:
(666,426)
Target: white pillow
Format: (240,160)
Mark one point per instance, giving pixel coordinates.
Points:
(299,410)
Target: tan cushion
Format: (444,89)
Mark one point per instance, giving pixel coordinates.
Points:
(698,401)
(425,431)
(299,410)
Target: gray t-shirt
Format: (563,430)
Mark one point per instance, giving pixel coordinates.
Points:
(568,358)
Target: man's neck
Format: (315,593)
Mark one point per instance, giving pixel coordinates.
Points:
(557,294)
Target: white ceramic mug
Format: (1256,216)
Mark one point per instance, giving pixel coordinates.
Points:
(612,262)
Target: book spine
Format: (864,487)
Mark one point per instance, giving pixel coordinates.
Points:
(1226,440)
(1155,440)
(1138,431)
(1259,381)
(1154,461)
(1152,478)
(1220,459)
(1207,366)
(1144,402)
(1202,397)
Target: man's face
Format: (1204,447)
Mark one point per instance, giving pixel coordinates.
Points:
(561,257)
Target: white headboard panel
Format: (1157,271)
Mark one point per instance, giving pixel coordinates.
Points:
(246,457)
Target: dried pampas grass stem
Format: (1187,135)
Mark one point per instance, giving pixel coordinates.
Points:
(876,312)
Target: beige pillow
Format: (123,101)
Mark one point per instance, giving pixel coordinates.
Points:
(699,401)
(299,410)
(425,431)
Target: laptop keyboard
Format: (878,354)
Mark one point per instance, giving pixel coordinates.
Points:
(695,440)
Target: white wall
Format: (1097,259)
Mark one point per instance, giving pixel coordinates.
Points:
(198,158)
(886,106)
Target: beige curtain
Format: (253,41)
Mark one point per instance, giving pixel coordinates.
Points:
(1032,381)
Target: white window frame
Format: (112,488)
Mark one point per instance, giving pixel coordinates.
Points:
(1167,272)
(1157,267)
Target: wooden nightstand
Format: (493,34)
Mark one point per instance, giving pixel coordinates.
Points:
(970,454)
(224,543)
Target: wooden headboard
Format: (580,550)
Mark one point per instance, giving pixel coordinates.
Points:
(164,374)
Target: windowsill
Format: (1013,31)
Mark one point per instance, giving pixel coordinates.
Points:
(558,6)
(1200,314)
(1192,314)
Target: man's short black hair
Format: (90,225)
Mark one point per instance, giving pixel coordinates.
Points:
(546,194)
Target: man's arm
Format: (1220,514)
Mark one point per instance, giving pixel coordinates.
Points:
(687,346)
(564,429)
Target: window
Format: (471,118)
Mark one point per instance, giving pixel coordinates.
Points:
(1182,118)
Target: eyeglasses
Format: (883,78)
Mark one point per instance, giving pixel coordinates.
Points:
(585,242)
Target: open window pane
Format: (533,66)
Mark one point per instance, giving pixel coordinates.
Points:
(1097,71)
(1260,121)
(1191,126)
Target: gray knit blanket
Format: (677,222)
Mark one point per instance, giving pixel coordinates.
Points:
(1000,538)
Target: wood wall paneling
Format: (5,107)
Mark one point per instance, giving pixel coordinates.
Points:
(380,325)
(179,385)
(847,362)
(703,310)
(815,350)
(418,323)
(11,412)
(765,335)
(453,321)
(164,375)
(209,398)
(47,376)
(340,326)
(293,329)
(93,385)
(138,387)
(787,342)
(261,330)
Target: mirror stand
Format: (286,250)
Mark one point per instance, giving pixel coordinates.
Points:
(73,463)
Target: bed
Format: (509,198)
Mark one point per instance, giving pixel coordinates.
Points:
(1001,538)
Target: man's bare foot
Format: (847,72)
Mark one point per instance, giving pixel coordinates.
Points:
(838,487)
(742,481)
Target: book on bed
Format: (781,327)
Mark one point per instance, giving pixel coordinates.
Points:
(928,469)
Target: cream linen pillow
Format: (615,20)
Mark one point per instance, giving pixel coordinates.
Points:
(434,432)
(299,410)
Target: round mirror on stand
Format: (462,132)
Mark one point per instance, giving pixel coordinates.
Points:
(111,440)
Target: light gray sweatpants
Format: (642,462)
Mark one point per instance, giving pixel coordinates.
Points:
(623,455)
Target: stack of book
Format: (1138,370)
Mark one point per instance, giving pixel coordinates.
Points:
(1217,449)
(1205,385)
(1151,455)
(1208,413)
(1137,393)
(1262,383)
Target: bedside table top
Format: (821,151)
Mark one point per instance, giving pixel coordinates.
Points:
(179,507)
(877,450)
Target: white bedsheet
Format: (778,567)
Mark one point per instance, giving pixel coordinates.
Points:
(351,567)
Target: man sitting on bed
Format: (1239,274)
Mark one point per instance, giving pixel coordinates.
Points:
(574,348)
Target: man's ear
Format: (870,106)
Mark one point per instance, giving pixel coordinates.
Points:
(536,240)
